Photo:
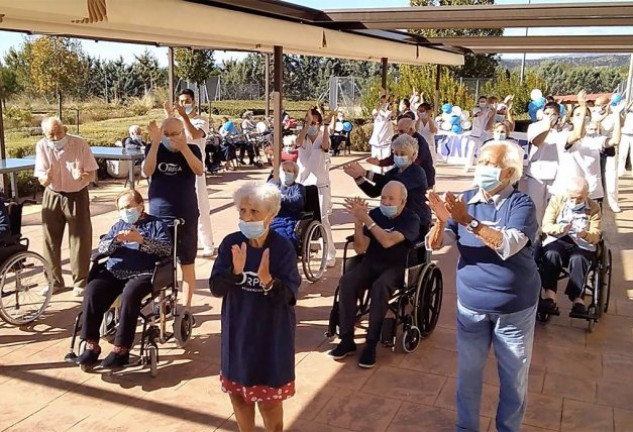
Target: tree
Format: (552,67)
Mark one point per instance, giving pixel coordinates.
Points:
(19,61)
(9,85)
(55,66)
(148,72)
(507,83)
(475,65)
(194,65)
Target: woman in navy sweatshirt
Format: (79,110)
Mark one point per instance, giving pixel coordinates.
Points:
(256,274)
(134,244)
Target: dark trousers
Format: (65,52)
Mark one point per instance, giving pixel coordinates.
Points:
(381,280)
(565,253)
(99,295)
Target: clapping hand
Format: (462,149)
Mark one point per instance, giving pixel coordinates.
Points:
(263,272)
(168,109)
(134,236)
(582,98)
(354,170)
(357,207)
(372,161)
(239,258)
(457,208)
(180,109)
(155,133)
(309,117)
(438,207)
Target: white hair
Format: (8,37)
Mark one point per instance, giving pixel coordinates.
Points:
(132,129)
(289,163)
(407,144)
(266,197)
(401,186)
(49,122)
(512,157)
(577,184)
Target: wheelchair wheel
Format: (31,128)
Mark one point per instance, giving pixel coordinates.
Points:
(606,281)
(314,251)
(183,327)
(411,339)
(428,300)
(152,360)
(25,279)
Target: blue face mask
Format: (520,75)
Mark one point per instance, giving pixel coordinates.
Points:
(251,230)
(287,178)
(499,118)
(577,207)
(58,144)
(487,177)
(401,161)
(313,130)
(130,215)
(166,142)
(389,211)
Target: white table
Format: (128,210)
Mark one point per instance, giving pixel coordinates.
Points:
(119,153)
(12,166)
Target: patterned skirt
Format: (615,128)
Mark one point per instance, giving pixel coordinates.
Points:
(258,393)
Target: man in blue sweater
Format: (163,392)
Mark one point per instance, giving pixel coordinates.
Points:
(498,283)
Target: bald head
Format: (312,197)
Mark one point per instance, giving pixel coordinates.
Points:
(602,100)
(174,130)
(406,126)
(394,193)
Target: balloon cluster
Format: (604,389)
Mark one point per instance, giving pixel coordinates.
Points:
(536,104)
(453,119)
(616,99)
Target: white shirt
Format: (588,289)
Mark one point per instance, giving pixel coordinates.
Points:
(587,154)
(313,163)
(544,158)
(383,128)
(425,131)
(479,122)
(200,124)
(627,128)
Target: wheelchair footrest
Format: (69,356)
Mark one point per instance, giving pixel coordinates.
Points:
(584,316)
(388,332)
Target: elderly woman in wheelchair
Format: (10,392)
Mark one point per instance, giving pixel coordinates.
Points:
(412,176)
(384,236)
(293,198)
(572,228)
(133,245)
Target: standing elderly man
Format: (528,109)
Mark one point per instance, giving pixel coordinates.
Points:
(498,283)
(384,235)
(65,166)
(196,129)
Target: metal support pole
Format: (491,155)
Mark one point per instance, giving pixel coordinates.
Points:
(3,153)
(438,70)
(278,128)
(385,66)
(523,59)
(267,82)
(170,70)
(629,83)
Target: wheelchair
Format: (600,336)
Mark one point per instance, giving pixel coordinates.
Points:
(313,242)
(26,278)
(156,310)
(415,306)
(597,285)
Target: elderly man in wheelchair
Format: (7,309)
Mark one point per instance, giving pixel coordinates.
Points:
(293,199)
(572,228)
(133,245)
(384,236)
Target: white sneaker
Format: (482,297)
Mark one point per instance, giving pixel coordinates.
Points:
(615,208)
(44,291)
(209,252)
(78,292)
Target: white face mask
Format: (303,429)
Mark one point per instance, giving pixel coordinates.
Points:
(499,136)
(188,108)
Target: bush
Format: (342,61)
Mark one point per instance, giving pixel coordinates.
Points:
(360,135)
(16,117)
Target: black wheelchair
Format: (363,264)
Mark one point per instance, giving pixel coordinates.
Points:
(415,306)
(26,278)
(313,242)
(597,285)
(156,310)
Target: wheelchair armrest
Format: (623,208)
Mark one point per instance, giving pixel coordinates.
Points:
(349,238)
(420,244)
(306,215)
(163,274)
(95,258)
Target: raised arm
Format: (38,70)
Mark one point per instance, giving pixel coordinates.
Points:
(155,135)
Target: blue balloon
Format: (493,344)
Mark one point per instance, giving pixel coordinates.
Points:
(563,110)
(456,128)
(447,108)
(532,110)
(347,126)
(540,103)
(455,120)
(616,99)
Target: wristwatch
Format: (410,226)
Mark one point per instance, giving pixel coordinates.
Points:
(472,226)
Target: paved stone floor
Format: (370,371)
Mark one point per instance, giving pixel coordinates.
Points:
(578,381)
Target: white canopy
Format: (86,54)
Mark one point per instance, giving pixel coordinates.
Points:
(187,24)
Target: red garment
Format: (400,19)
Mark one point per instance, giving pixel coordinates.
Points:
(258,393)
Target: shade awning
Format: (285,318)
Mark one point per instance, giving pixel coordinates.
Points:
(187,24)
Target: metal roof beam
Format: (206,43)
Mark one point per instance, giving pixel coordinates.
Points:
(486,16)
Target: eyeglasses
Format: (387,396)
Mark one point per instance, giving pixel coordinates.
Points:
(173,134)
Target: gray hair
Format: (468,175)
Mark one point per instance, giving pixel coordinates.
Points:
(401,186)
(577,184)
(264,196)
(49,122)
(407,144)
(133,129)
(512,157)
(294,166)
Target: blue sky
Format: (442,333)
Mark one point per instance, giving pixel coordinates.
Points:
(111,50)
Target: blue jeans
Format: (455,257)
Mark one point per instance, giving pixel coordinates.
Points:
(512,336)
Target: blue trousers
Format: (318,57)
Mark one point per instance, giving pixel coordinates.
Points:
(511,336)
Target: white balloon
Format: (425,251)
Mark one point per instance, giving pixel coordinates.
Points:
(447,117)
(456,111)
(536,94)
(466,125)
(446,126)
(465,115)
(438,119)
(261,127)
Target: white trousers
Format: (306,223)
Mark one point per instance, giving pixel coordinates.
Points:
(625,149)
(205,233)
(538,190)
(380,153)
(325,203)
(611,179)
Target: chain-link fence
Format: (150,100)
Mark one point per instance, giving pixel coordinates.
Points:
(474,85)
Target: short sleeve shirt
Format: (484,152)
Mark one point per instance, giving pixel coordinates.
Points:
(544,158)
(200,124)
(407,224)
(172,188)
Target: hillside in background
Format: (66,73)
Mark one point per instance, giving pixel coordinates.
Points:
(606,60)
